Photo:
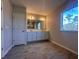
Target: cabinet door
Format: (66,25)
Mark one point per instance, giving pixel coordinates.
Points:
(33,36)
(29,36)
(42,35)
(39,35)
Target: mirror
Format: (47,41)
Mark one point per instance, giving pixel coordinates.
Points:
(35,24)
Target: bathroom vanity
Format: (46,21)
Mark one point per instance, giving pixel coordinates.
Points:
(37,35)
(36,28)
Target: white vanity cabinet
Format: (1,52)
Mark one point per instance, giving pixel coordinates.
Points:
(31,36)
(42,35)
(37,35)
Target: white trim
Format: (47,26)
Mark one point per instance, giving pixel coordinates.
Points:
(64,47)
(6,51)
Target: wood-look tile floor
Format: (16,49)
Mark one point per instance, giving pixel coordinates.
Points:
(41,50)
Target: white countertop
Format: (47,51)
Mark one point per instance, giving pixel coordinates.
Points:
(33,30)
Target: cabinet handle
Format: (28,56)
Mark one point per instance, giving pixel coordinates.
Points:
(1,28)
(23,30)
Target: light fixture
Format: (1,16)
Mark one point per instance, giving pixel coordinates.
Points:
(31,17)
(42,18)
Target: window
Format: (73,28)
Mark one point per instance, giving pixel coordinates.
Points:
(70,20)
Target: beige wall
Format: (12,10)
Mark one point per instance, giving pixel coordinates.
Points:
(64,38)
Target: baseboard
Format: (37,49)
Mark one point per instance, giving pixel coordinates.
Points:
(5,53)
(64,47)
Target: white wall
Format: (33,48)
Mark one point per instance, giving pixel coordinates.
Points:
(68,40)
(7,26)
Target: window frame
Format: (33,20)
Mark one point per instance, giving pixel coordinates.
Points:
(61,21)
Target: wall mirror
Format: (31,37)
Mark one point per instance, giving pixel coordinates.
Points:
(36,22)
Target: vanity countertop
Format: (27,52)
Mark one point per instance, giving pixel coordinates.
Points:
(33,30)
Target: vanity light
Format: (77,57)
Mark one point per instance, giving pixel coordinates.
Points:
(31,17)
(42,18)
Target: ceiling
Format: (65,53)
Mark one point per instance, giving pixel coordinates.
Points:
(42,7)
